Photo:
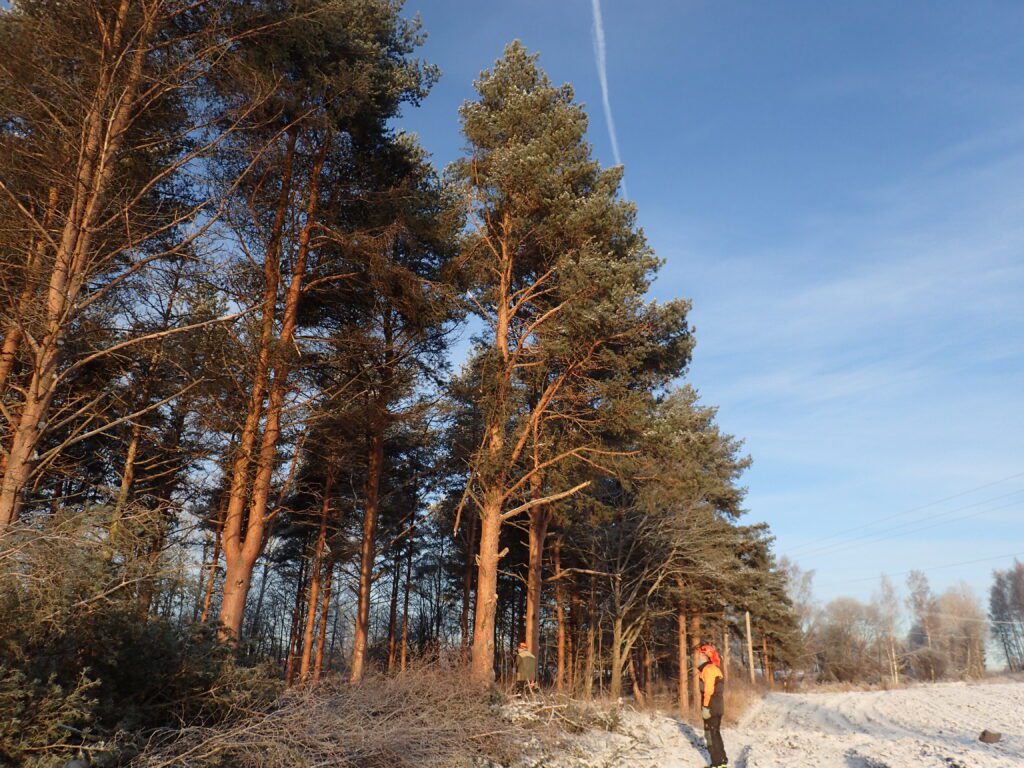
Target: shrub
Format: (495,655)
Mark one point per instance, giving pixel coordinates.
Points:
(84,669)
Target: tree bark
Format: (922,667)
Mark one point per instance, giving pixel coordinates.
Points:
(482,662)
(695,672)
(467,581)
(405,607)
(766,666)
(648,665)
(396,578)
(238,551)
(313,601)
(615,685)
(725,650)
(572,640)
(245,552)
(294,636)
(103,131)
(539,518)
(214,561)
(588,685)
(14,333)
(638,692)
(559,615)
(367,552)
(325,612)
(684,655)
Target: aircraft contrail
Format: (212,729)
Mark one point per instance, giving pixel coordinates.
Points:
(602,76)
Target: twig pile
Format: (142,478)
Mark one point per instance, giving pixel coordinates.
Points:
(421,718)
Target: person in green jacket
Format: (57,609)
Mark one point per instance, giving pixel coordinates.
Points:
(526,669)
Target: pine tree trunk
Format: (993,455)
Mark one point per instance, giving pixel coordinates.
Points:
(214,561)
(103,131)
(237,576)
(766,669)
(571,649)
(648,667)
(313,601)
(482,660)
(539,518)
(396,577)
(467,581)
(588,685)
(638,692)
(405,607)
(367,552)
(325,612)
(13,333)
(238,549)
(294,636)
(725,650)
(695,673)
(560,615)
(615,686)
(684,655)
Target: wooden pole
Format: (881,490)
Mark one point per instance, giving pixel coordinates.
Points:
(683,666)
(695,639)
(750,650)
(725,650)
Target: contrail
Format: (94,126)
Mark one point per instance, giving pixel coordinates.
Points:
(602,75)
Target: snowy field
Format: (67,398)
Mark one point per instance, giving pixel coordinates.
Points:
(931,725)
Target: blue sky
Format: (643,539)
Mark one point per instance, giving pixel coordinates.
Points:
(839,188)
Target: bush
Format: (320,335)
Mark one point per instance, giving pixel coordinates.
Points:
(84,669)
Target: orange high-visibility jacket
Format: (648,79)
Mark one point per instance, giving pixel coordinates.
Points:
(711,684)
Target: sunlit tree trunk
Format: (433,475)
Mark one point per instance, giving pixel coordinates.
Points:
(695,671)
(295,634)
(467,581)
(559,615)
(482,665)
(313,601)
(684,654)
(615,684)
(405,607)
(103,130)
(588,684)
(396,574)
(244,553)
(325,612)
(367,552)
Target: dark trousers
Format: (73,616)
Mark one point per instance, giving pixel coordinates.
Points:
(713,738)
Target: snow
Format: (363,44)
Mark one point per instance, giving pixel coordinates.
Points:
(927,725)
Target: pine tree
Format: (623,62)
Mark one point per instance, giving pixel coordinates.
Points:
(558,272)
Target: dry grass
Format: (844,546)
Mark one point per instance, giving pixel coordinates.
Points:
(423,718)
(740,696)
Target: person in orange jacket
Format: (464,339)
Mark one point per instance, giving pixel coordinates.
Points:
(712,698)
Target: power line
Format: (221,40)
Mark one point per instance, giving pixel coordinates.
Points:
(925,570)
(888,533)
(910,511)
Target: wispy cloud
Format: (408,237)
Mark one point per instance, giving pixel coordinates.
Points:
(873,359)
(600,59)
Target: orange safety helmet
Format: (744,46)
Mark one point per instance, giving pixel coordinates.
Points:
(709,651)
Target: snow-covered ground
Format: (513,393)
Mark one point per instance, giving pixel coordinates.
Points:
(929,725)
(933,725)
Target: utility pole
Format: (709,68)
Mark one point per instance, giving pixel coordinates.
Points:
(750,650)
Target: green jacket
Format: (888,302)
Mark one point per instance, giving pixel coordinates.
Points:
(526,667)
